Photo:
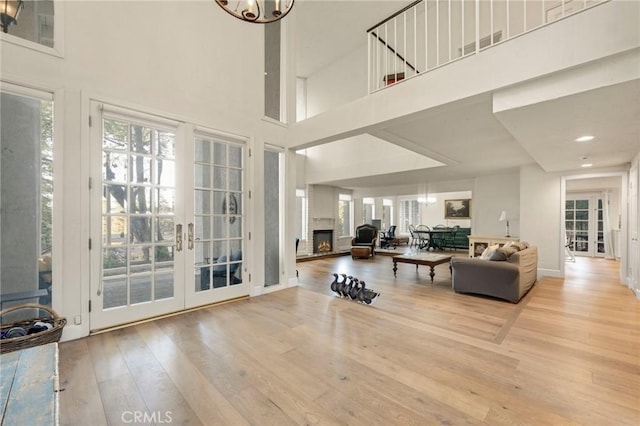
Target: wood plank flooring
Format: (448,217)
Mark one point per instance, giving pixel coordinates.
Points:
(568,353)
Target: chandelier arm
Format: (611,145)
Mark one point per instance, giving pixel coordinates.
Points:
(250,16)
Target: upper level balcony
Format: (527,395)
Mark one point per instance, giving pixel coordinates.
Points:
(428,34)
(513,102)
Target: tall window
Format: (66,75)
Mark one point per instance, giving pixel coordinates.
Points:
(387,213)
(409,214)
(345,215)
(272,70)
(35,22)
(368,210)
(301,214)
(27,196)
(301,100)
(272,215)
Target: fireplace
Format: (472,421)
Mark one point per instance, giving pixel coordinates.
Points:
(322,240)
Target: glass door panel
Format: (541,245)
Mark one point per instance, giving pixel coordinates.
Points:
(138,238)
(584,225)
(600,230)
(216,234)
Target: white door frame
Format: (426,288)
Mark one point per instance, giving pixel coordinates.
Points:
(193,297)
(624,252)
(104,318)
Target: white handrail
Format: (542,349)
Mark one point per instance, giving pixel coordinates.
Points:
(394,54)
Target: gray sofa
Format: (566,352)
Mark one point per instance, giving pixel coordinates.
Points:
(510,275)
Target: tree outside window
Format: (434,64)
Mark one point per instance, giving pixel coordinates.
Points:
(368,210)
(301,214)
(387,213)
(345,215)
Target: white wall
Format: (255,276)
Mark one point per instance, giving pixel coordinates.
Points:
(540,216)
(161,57)
(340,82)
(491,195)
(432,213)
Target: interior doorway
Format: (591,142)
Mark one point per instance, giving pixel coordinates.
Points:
(584,224)
(594,217)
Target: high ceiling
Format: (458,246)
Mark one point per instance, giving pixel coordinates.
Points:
(468,136)
(333,29)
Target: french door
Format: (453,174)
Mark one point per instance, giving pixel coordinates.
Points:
(215,233)
(162,198)
(584,223)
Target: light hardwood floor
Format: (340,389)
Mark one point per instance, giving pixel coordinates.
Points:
(568,353)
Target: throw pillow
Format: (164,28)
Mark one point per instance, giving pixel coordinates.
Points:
(486,254)
(498,255)
(512,244)
(503,253)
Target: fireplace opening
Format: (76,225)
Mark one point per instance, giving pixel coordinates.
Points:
(323,240)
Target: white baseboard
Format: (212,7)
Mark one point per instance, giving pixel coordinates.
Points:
(555,273)
(293,282)
(73,332)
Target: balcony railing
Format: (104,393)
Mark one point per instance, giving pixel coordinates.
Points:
(430,33)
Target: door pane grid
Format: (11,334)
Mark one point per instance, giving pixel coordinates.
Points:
(584,225)
(600,229)
(218,192)
(137,213)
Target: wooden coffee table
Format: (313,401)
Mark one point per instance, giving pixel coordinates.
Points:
(427,259)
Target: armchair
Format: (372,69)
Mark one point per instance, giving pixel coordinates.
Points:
(388,239)
(365,237)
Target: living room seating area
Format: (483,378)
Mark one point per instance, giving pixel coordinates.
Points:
(506,272)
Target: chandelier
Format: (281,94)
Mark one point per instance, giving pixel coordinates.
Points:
(259,11)
(9,11)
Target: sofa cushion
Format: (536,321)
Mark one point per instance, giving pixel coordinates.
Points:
(503,253)
(511,244)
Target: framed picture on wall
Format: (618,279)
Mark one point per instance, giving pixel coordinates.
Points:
(457,209)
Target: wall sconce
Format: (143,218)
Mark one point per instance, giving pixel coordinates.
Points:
(504,218)
(9,11)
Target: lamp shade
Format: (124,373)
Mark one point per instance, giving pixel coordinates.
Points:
(9,11)
(503,216)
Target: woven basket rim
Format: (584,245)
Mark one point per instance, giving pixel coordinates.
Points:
(35,339)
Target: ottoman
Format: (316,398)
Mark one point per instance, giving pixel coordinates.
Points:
(360,252)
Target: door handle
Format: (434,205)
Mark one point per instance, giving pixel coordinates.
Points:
(190,237)
(179,237)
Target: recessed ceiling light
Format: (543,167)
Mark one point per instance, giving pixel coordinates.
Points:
(587,165)
(585,138)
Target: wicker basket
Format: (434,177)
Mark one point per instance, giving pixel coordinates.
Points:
(36,339)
